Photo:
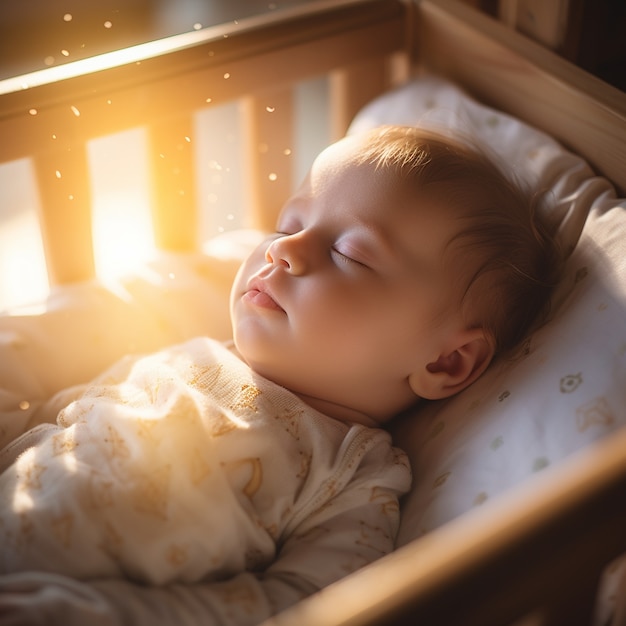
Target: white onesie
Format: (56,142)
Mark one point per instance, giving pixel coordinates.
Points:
(187,466)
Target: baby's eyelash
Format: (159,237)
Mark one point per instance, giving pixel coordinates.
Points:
(347,259)
(341,255)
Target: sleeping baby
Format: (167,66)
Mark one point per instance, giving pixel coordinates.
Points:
(403,264)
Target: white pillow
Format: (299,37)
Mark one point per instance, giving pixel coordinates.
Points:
(567,387)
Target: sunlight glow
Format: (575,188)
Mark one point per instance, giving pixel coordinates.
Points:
(122,229)
(122,234)
(122,240)
(30,473)
(23,276)
(122,226)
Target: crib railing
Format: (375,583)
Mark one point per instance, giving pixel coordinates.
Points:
(364,46)
(49,116)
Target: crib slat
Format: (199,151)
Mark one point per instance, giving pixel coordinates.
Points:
(352,87)
(268,129)
(174,208)
(65,213)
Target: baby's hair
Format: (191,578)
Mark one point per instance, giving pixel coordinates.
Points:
(509,259)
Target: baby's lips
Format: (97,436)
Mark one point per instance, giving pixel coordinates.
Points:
(260,297)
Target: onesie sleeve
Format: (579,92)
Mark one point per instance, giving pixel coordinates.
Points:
(339,534)
(344,531)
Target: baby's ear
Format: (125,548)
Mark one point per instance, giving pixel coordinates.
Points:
(458,366)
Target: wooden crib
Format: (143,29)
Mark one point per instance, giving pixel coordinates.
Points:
(495,567)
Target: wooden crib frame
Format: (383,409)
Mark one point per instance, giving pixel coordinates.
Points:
(491,567)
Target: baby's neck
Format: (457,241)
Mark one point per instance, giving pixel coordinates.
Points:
(338,411)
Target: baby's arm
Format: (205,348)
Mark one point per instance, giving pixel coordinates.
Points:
(302,567)
(349,531)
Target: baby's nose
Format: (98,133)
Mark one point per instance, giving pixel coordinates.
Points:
(288,252)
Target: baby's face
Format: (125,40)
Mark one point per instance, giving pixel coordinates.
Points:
(347,296)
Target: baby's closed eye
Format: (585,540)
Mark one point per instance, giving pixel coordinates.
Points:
(348,254)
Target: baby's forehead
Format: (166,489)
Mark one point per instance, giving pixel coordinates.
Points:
(348,149)
(344,158)
(331,169)
(340,153)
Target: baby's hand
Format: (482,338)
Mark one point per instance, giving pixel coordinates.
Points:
(41,599)
(20,602)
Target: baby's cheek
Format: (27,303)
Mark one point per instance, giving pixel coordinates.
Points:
(246,270)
